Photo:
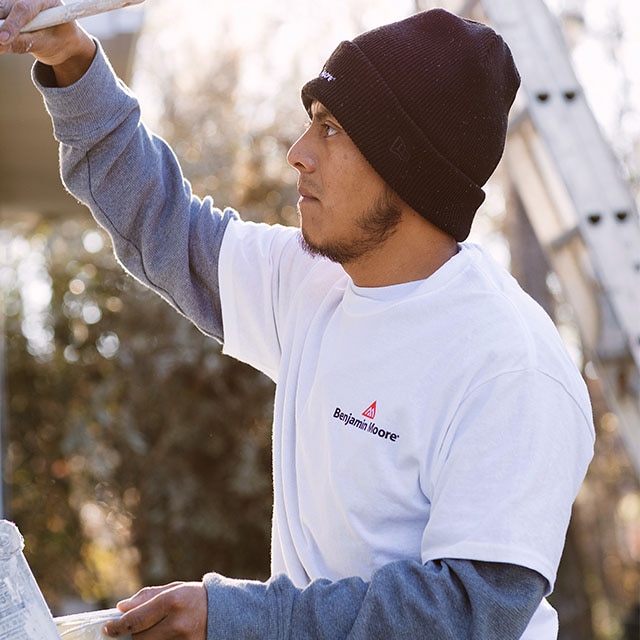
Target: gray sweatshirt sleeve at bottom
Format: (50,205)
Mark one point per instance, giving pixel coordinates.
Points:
(443,600)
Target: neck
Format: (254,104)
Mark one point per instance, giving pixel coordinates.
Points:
(413,252)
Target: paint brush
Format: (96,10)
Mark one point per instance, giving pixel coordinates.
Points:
(74,11)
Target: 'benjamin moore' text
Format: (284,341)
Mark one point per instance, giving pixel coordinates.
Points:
(370,427)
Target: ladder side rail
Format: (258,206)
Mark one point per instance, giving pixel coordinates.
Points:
(606,213)
(530,168)
(546,202)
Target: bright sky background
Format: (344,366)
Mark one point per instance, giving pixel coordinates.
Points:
(603,76)
(278,39)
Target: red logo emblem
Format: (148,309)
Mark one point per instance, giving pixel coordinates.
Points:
(370,411)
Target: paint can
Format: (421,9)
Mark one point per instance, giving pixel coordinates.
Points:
(86,626)
(24,614)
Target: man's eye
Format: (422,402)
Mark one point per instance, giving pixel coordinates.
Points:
(329,130)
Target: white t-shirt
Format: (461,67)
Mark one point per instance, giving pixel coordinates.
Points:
(436,419)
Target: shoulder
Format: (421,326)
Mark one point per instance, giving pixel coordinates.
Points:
(501,329)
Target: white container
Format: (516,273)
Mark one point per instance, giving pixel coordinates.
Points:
(24,614)
(86,626)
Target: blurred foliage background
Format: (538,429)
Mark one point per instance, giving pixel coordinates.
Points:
(134,452)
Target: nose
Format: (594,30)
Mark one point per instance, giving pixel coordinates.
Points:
(300,156)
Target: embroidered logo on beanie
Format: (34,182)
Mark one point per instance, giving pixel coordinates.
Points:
(426,100)
(326,75)
(400,149)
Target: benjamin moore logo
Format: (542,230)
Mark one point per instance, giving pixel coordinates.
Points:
(370,427)
(370,411)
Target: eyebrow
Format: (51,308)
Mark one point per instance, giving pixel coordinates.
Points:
(320,112)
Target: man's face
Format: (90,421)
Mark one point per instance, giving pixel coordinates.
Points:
(346,209)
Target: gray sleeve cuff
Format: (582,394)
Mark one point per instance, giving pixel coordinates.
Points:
(73,108)
(238,608)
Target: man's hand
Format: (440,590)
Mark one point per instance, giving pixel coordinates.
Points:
(67,48)
(175,611)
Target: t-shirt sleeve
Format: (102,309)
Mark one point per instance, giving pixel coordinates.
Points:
(507,474)
(262,272)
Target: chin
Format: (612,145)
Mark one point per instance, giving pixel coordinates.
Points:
(308,245)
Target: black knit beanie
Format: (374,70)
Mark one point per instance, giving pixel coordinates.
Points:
(426,101)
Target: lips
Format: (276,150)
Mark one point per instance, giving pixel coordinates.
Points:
(306,193)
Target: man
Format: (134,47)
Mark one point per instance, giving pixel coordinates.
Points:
(430,431)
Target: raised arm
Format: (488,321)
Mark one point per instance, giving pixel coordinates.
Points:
(130,179)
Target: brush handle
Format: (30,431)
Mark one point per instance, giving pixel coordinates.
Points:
(69,12)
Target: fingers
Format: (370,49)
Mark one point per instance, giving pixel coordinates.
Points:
(178,610)
(22,44)
(18,13)
(66,47)
(144,595)
(141,613)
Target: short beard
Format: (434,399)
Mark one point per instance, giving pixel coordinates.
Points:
(376,225)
